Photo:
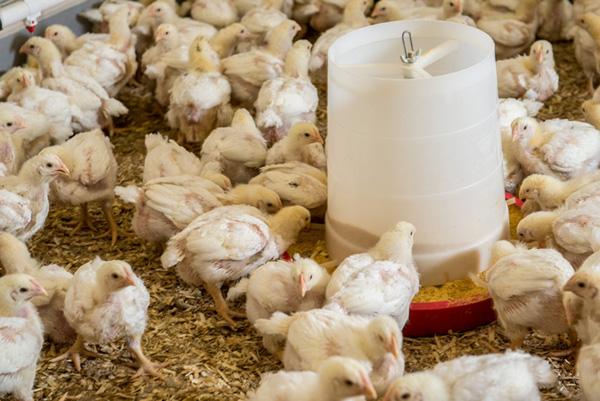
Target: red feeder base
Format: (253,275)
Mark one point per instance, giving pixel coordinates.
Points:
(438,318)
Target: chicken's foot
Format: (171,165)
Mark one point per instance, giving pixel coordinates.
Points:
(147,367)
(113,230)
(84,220)
(76,350)
(221,306)
(516,343)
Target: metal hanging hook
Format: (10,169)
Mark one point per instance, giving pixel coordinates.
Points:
(409,56)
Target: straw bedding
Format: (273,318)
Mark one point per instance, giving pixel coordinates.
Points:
(205,359)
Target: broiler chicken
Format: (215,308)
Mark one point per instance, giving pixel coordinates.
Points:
(533,76)
(321,14)
(392,10)
(508,111)
(165,206)
(591,23)
(588,371)
(93,176)
(56,106)
(12,154)
(166,38)
(561,148)
(24,197)
(225,41)
(556,20)
(105,303)
(230,242)
(296,183)
(112,63)
(260,21)
(353,18)
(248,71)
(21,335)
(289,99)
(237,151)
(282,286)
(97,107)
(550,192)
(337,379)
(526,287)
(15,258)
(513,33)
(315,335)
(33,134)
(67,42)
(302,143)
(512,376)
(199,97)
(165,158)
(382,281)
(218,13)
(160,12)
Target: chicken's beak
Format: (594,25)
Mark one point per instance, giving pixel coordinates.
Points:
(319,138)
(20,123)
(302,284)
(24,49)
(367,387)
(539,56)
(129,280)
(515,133)
(159,36)
(375,13)
(38,289)
(63,170)
(394,347)
(571,285)
(390,394)
(458,5)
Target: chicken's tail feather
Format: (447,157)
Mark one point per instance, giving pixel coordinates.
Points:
(129,194)
(238,290)
(277,325)
(113,108)
(171,256)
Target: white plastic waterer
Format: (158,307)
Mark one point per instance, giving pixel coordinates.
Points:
(413,135)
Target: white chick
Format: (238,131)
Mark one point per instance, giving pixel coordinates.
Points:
(560,148)
(160,12)
(9,76)
(199,95)
(303,143)
(296,183)
(550,192)
(15,258)
(165,158)
(588,371)
(24,197)
(533,76)
(353,18)
(585,46)
(54,105)
(509,110)
(282,286)
(21,335)
(591,109)
(112,63)
(591,23)
(106,303)
(337,379)
(97,108)
(237,151)
(259,21)
(315,335)
(392,10)
(382,281)
(12,154)
(513,33)
(165,206)
(512,376)
(35,128)
(556,20)
(225,41)
(67,42)
(526,287)
(581,301)
(248,71)
(289,99)
(321,15)
(166,38)
(93,177)
(230,242)
(218,13)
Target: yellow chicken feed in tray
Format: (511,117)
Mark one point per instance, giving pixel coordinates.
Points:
(451,291)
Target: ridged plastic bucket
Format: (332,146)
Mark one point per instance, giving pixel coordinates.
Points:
(424,150)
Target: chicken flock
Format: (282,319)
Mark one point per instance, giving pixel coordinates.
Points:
(232,77)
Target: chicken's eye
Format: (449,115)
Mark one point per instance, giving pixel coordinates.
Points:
(23,290)
(525,127)
(306,134)
(348,382)
(412,232)
(166,33)
(32,47)
(198,48)
(48,164)
(293,184)
(547,51)
(55,34)
(310,277)
(9,124)
(269,204)
(451,4)
(158,9)
(405,396)
(383,8)
(581,284)
(19,80)
(114,276)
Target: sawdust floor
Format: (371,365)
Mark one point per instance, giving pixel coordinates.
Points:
(206,359)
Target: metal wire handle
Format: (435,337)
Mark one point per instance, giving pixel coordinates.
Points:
(409,56)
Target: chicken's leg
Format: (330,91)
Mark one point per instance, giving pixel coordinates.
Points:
(84,219)
(516,343)
(220,305)
(76,350)
(113,232)
(590,86)
(146,365)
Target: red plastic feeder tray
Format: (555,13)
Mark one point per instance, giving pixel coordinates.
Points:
(438,318)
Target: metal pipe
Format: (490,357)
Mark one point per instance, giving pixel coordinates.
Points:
(29,12)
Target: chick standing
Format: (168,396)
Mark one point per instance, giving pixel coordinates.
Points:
(337,379)
(199,95)
(105,303)
(526,287)
(230,242)
(93,176)
(382,281)
(21,335)
(513,376)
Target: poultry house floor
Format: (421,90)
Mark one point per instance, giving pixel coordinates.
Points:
(206,360)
